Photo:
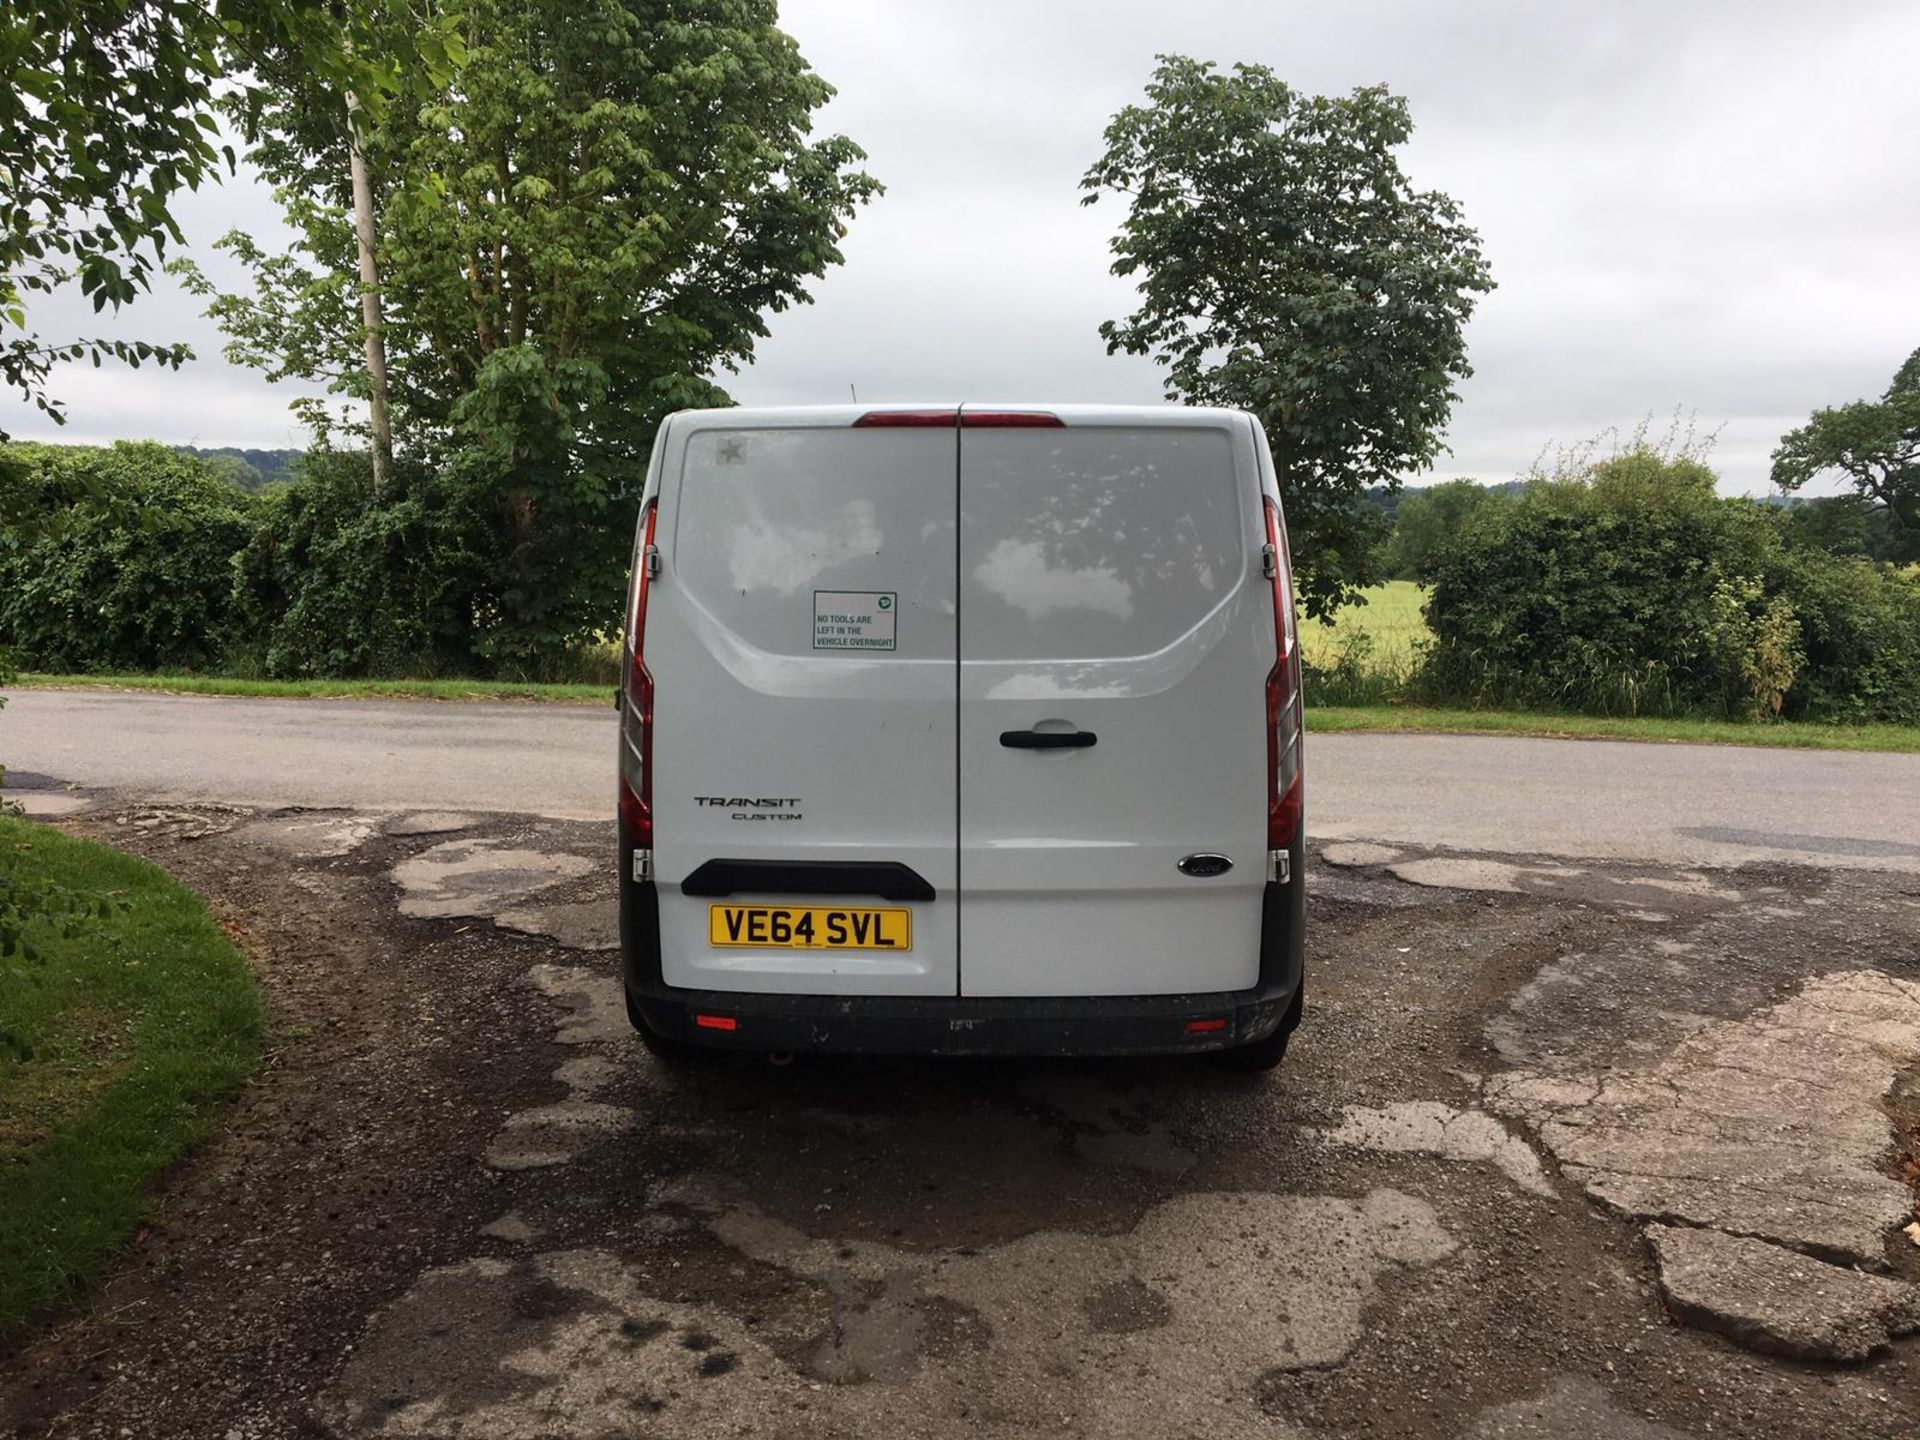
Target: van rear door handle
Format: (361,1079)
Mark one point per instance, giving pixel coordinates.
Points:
(1048,739)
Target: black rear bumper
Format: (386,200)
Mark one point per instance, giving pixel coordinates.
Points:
(960,1025)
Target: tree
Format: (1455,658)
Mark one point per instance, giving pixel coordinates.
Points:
(600,215)
(1427,518)
(1287,266)
(109,113)
(1875,444)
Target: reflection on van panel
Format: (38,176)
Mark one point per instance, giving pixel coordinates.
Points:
(1096,542)
(1019,573)
(765,556)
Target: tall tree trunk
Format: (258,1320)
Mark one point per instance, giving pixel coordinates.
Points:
(370,301)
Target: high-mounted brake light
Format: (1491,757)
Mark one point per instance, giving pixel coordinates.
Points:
(1010,420)
(636,715)
(1284,720)
(943,419)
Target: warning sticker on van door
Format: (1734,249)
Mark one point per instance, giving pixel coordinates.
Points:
(854,619)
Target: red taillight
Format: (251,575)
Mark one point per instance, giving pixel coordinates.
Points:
(716,1022)
(1206,1027)
(636,715)
(1284,720)
(913,418)
(1010,420)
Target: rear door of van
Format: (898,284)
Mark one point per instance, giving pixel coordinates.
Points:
(1116,632)
(802,642)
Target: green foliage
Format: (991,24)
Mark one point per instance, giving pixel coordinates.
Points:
(1287,265)
(120,558)
(601,213)
(334,581)
(122,1038)
(1427,518)
(432,577)
(108,114)
(1838,524)
(1860,628)
(1875,444)
(249,469)
(1627,587)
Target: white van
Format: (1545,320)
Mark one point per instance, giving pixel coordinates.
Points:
(962,730)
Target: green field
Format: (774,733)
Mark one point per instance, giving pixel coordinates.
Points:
(116,1044)
(1390,616)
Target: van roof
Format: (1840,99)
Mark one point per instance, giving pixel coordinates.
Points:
(828,416)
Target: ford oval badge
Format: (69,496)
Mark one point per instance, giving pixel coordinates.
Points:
(1202,867)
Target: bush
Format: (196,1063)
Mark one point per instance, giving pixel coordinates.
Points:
(1631,589)
(1428,518)
(1860,626)
(437,576)
(117,558)
(334,582)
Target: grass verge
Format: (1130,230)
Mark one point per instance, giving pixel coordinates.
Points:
(569,694)
(1901,739)
(115,1046)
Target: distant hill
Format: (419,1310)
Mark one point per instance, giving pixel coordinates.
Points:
(250,470)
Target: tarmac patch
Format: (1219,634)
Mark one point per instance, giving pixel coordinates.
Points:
(478,877)
(544,1136)
(1164,1329)
(1572,1408)
(576,925)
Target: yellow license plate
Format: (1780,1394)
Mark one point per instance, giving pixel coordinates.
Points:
(808,927)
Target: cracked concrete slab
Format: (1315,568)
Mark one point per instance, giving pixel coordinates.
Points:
(579,925)
(322,835)
(1778,1301)
(1428,1127)
(1032,1336)
(1770,1126)
(478,877)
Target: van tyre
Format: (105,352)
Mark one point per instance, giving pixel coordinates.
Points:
(1265,1054)
(676,1053)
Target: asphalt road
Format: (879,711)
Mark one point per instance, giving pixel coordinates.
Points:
(1677,804)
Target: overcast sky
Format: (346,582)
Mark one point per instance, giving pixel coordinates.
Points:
(1709,207)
